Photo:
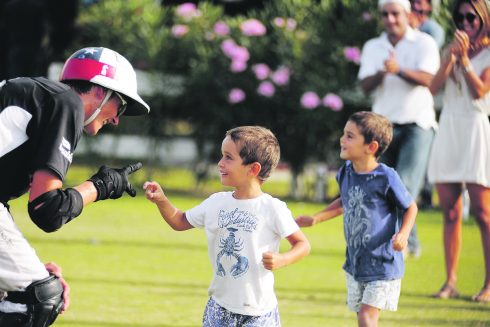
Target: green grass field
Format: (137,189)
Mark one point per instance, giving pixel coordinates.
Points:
(126,267)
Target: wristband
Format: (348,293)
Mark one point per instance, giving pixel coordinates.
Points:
(400,73)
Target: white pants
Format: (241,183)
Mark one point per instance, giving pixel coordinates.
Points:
(19,263)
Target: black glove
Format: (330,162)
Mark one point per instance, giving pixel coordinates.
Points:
(112,183)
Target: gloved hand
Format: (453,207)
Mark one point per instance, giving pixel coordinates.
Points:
(111,183)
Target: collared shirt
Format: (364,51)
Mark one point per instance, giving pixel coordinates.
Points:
(400,101)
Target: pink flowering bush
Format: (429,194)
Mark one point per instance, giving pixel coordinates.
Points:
(221,28)
(266,67)
(179,30)
(261,71)
(310,100)
(266,89)
(352,54)
(236,95)
(253,27)
(281,76)
(333,101)
(187,11)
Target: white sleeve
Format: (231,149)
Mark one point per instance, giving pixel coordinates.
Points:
(197,215)
(284,222)
(373,56)
(429,60)
(13,126)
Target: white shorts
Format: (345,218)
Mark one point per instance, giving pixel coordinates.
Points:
(19,263)
(381,294)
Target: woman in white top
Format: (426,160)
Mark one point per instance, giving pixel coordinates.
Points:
(460,155)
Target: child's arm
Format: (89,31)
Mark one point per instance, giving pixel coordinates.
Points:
(400,239)
(333,210)
(172,215)
(300,247)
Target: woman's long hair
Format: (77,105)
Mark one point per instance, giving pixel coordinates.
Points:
(481,9)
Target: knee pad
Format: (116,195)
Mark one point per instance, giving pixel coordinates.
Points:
(44,300)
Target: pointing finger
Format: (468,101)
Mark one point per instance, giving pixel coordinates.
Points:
(134,167)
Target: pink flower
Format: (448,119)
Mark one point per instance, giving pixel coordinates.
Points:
(179,30)
(239,53)
(238,66)
(221,28)
(252,27)
(352,54)
(234,51)
(291,24)
(366,16)
(333,101)
(187,11)
(227,46)
(279,22)
(281,76)
(236,95)
(261,71)
(310,100)
(266,89)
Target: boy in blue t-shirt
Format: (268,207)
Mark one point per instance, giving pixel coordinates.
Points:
(371,196)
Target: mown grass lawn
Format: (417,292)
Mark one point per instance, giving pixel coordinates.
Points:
(126,267)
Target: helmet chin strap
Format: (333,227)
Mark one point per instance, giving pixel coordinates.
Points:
(98,110)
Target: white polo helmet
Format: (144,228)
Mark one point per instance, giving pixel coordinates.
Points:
(109,69)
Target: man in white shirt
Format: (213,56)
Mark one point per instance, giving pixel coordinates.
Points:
(396,69)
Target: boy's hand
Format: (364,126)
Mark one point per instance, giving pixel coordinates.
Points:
(153,192)
(272,260)
(305,221)
(399,241)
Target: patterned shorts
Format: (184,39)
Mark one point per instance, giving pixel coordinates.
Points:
(217,316)
(381,294)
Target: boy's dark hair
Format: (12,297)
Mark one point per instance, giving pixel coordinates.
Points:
(374,127)
(257,144)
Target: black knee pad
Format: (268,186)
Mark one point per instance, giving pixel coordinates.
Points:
(44,300)
(15,319)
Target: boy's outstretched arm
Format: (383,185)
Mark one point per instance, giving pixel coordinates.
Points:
(172,215)
(333,210)
(300,247)
(400,239)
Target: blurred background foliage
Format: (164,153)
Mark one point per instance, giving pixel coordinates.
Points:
(316,42)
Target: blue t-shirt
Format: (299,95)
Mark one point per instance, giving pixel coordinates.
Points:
(372,203)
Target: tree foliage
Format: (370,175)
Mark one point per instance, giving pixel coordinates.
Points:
(215,61)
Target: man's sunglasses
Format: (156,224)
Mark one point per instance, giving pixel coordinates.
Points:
(122,107)
(459,18)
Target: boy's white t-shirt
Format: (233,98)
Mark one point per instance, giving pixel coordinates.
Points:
(239,232)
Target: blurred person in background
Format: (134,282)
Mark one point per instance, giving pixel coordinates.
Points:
(460,157)
(396,69)
(421,11)
(420,18)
